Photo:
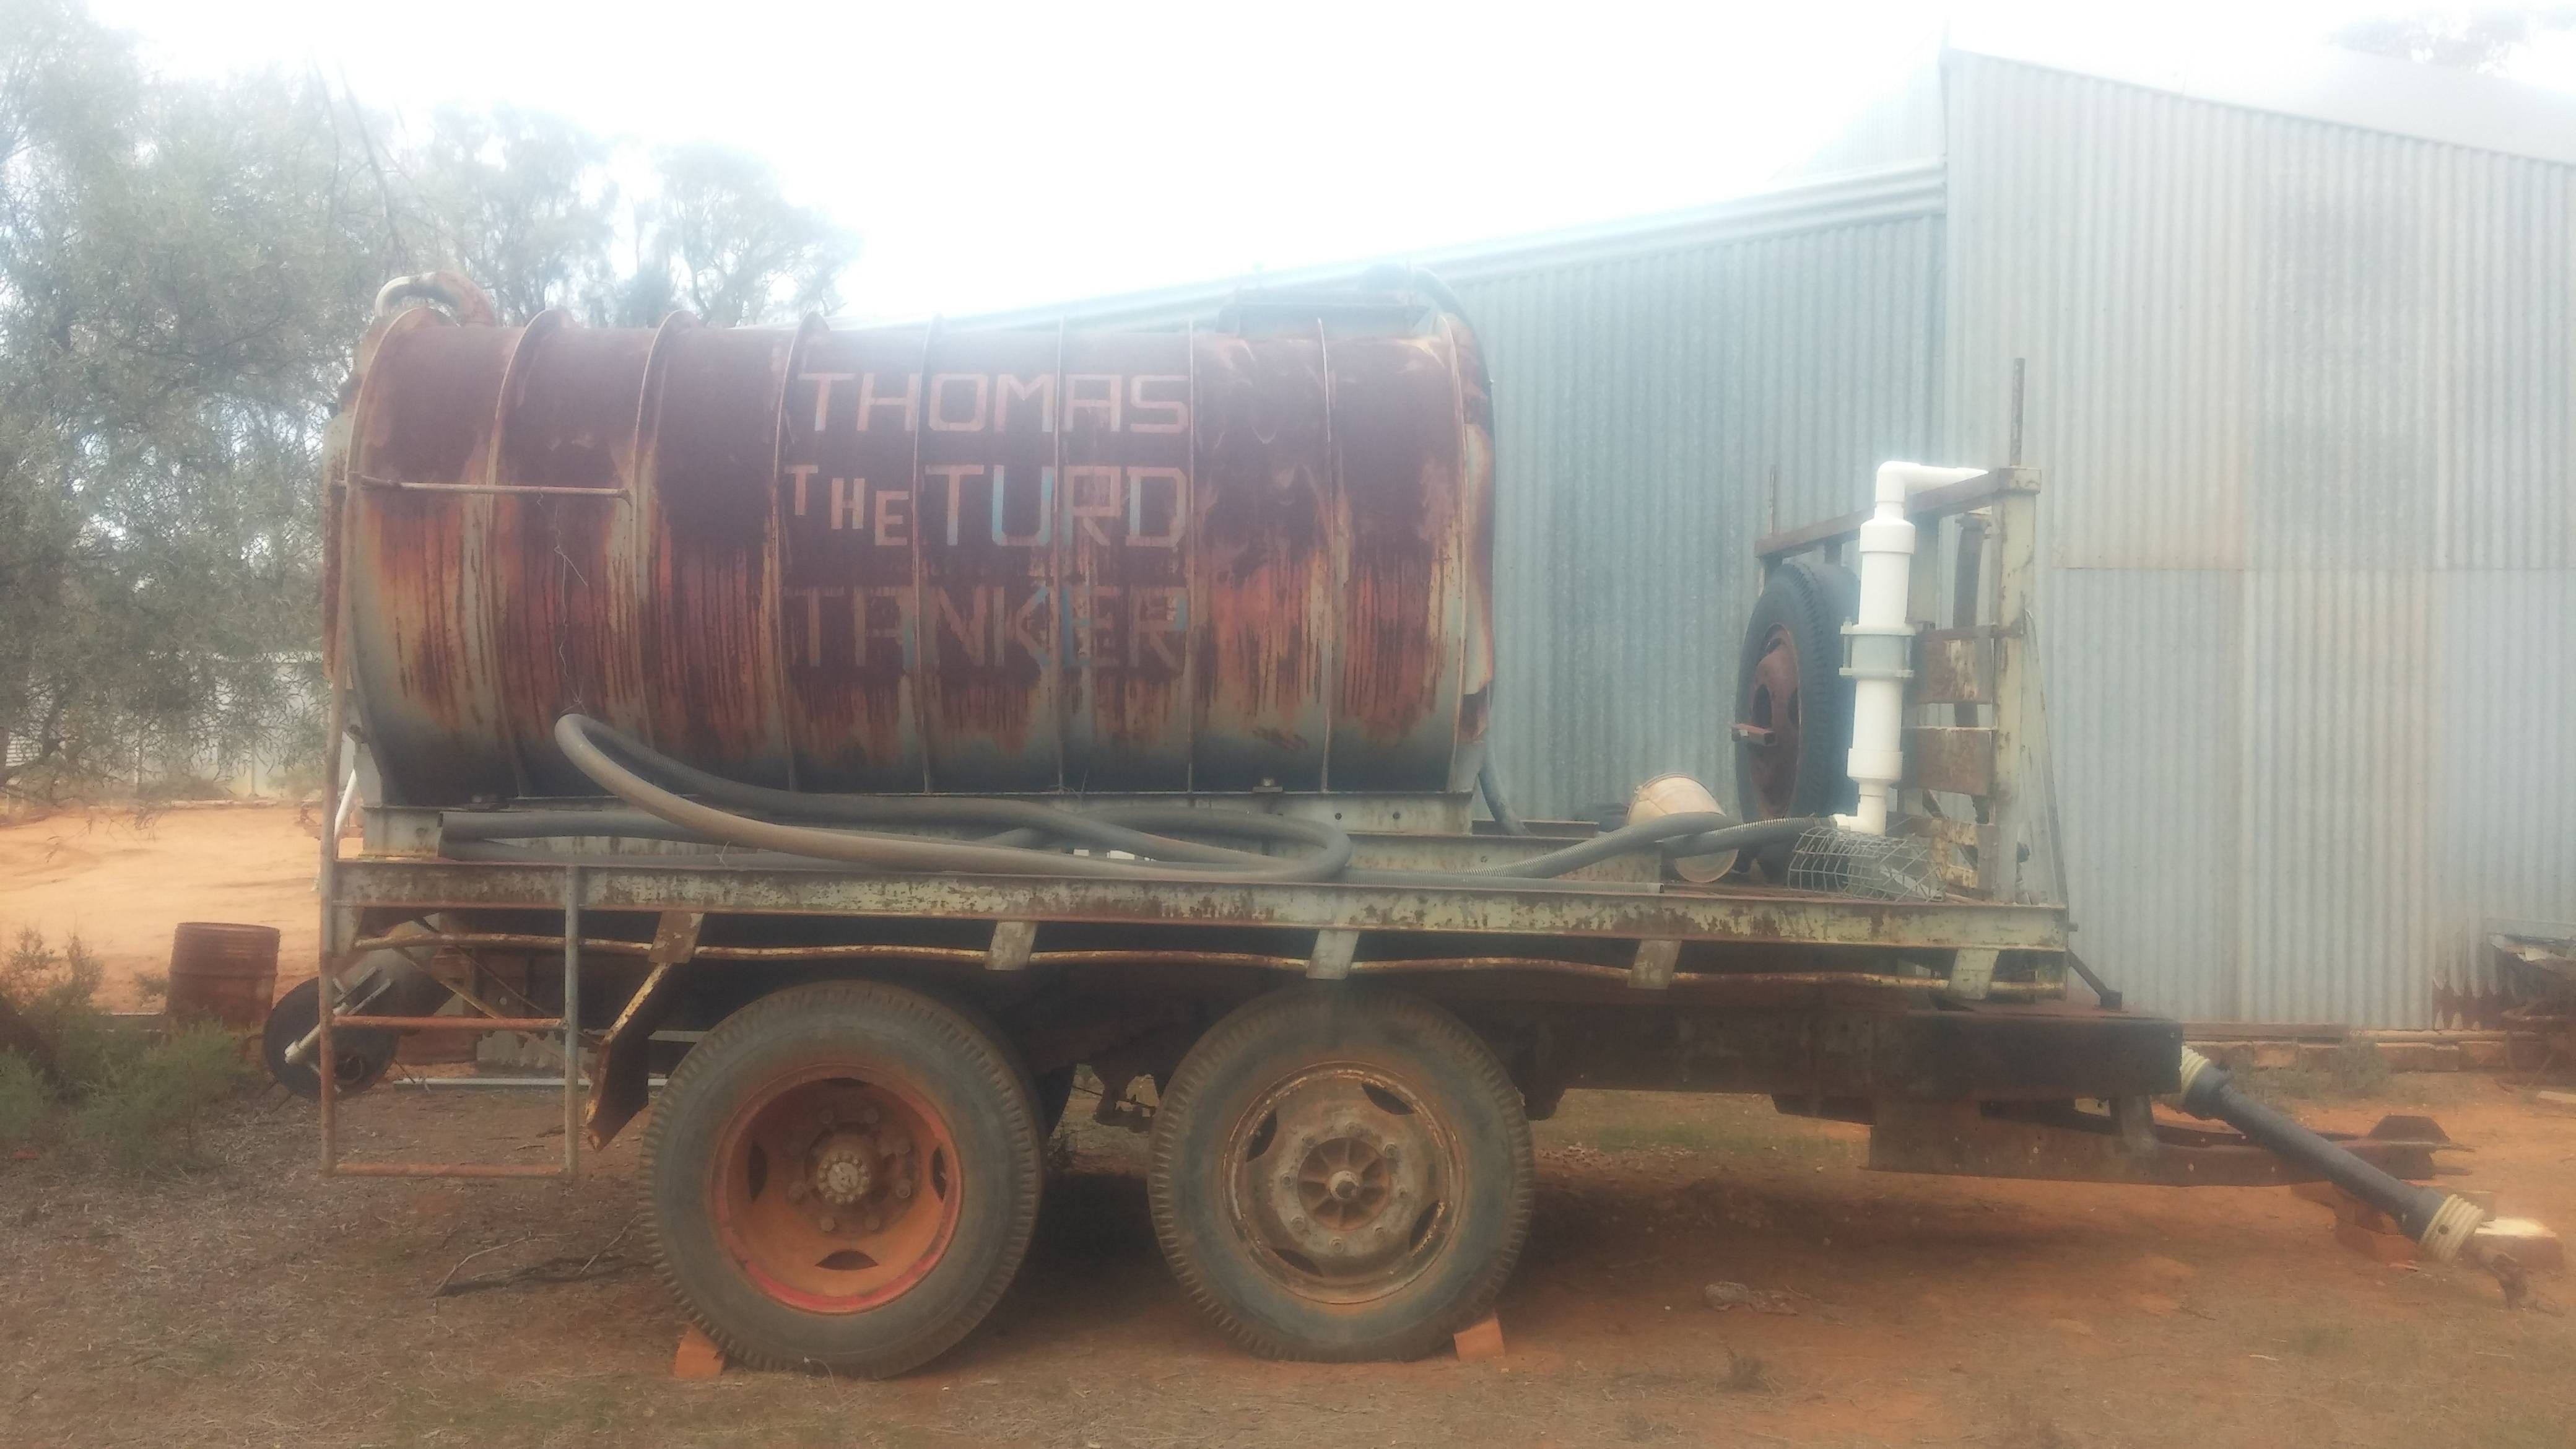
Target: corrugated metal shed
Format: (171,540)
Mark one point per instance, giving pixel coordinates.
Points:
(2302,380)
(2304,397)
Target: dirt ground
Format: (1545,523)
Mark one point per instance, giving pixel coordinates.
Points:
(121,883)
(252,1303)
(248,1302)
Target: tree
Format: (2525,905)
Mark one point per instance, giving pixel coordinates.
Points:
(184,269)
(519,201)
(2486,41)
(180,269)
(722,241)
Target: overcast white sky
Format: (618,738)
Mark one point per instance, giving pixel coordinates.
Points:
(998,153)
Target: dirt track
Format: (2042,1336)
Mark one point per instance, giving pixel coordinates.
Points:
(254,1304)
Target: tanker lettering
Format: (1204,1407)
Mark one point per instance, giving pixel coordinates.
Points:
(993,625)
(976,402)
(1105,504)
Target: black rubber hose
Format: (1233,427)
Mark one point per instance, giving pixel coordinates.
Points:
(1329,853)
(2440,1222)
(1495,804)
(1099,828)
(1714,833)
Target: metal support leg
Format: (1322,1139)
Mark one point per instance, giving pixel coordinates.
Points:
(572,1022)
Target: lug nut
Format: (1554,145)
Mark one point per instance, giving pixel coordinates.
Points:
(868,1116)
(796,1190)
(829,1223)
(902,1190)
(873,1222)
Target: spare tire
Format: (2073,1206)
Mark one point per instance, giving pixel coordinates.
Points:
(1793,707)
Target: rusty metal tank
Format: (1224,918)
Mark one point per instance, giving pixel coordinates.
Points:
(922,559)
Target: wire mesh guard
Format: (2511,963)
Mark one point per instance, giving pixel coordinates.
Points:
(1848,863)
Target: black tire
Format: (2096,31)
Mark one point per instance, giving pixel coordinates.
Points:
(365,1053)
(1800,615)
(830,1035)
(1214,1162)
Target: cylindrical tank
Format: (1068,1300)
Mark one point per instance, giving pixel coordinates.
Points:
(924,558)
(222,972)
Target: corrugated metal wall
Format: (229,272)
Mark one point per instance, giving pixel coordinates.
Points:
(1644,406)
(2304,398)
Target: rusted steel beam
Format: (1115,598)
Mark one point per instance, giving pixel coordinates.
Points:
(443,1169)
(1928,503)
(1962,1140)
(1597,912)
(455,1023)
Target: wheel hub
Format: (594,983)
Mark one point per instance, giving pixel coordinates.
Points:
(836,1193)
(1338,1181)
(1774,717)
(845,1170)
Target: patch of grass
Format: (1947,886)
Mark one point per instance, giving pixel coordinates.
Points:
(24,1103)
(2317,1340)
(2023,1427)
(2353,1070)
(1745,1374)
(1631,1136)
(1688,1136)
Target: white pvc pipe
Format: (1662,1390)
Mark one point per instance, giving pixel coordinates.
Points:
(1879,642)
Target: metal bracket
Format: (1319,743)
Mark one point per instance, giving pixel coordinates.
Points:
(1653,968)
(1972,972)
(619,1087)
(1333,952)
(1012,943)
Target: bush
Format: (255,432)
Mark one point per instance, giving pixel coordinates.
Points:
(146,1111)
(24,1103)
(135,1101)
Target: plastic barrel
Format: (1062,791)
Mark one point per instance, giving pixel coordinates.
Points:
(223,972)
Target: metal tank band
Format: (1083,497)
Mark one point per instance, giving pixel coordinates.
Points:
(923,559)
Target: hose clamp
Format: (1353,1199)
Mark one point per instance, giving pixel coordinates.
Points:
(1878,651)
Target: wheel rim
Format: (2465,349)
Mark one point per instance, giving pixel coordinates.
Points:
(836,1193)
(1772,704)
(1341,1183)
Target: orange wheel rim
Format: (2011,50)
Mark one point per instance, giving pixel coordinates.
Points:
(836,1193)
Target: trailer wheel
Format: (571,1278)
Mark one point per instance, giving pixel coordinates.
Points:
(842,1176)
(364,1052)
(1793,708)
(1341,1174)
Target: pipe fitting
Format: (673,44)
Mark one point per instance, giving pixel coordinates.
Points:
(2453,1225)
(1878,645)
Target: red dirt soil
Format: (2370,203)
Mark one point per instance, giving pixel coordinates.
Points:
(121,883)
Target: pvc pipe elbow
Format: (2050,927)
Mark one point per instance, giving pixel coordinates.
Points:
(1897,479)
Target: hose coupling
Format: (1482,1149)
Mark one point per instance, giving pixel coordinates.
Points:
(2453,1225)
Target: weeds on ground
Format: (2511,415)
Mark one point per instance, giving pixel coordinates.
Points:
(2353,1070)
(122,1096)
(24,1103)
(1745,1374)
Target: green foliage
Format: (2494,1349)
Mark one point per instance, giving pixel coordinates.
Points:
(133,1100)
(24,1103)
(185,266)
(145,1112)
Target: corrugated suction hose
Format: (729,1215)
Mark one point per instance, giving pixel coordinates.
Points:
(2440,1223)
